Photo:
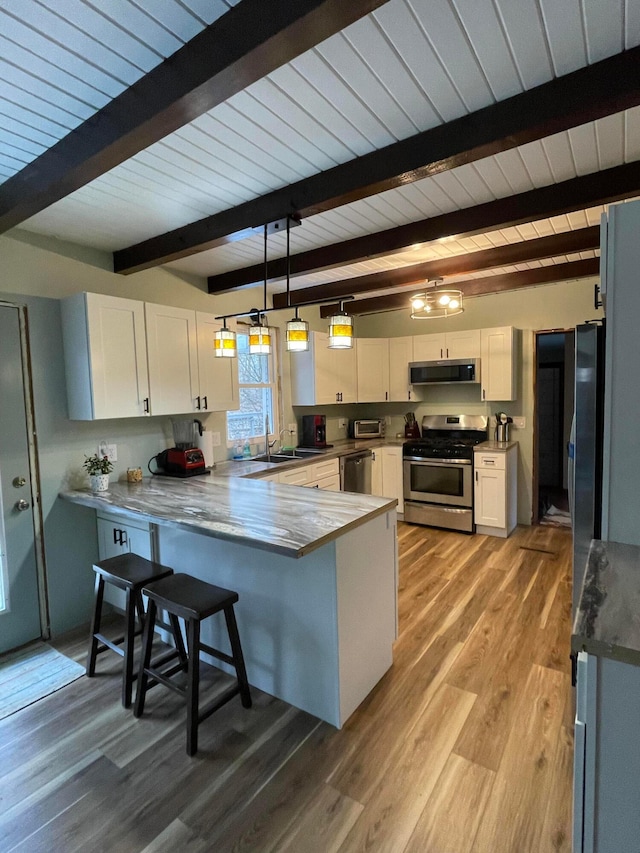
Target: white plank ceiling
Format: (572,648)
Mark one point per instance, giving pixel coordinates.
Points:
(409,66)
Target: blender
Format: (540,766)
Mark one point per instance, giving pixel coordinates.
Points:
(186,458)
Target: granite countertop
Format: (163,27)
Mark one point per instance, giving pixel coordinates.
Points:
(607,621)
(289,520)
(495,446)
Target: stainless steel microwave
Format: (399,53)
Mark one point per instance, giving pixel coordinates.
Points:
(447,372)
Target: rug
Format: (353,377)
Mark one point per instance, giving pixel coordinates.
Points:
(32,673)
(555,517)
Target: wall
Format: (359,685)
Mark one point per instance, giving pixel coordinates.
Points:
(558,306)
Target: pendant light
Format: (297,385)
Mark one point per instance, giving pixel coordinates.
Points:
(297,333)
(224,342)
(437,303)
(260,333)
(341,329)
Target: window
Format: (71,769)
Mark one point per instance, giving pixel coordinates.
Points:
(258,394)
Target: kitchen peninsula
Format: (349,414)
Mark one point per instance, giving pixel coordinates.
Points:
(316,573)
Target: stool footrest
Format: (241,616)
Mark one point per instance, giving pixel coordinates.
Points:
(114,645)
(219,702)
(216,653)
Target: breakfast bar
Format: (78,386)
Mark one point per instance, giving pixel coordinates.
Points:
(316,573)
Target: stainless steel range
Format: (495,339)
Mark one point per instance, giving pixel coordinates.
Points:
(438,471)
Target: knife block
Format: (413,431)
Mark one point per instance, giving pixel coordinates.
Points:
(411,430)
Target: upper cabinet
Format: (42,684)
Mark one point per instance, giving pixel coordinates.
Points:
(400,355)
(447,345)
(372,358)
(498,363)
(321,375)
(105,357)
(125,358)
(218,377)
(173,359)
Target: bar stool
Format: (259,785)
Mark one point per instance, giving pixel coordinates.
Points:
(192,600)
(129,572)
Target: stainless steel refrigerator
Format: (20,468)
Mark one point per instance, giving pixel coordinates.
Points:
(587,431)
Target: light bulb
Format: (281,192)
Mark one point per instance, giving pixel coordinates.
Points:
(417,303)
(444,299)
(454,303)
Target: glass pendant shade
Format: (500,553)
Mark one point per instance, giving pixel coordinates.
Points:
(341,331)
(297,335)
(259,340)
(225,344)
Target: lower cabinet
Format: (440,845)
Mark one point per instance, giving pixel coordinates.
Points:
(496,491)
(386,474)
(117,536)
(316,475)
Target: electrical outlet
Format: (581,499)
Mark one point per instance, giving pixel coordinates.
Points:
(215,439)
(293,428)
(519,423)
(387,420)
(108,450)
(342,423)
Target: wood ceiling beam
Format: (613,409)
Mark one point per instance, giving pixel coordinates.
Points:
(242,46)
(479,286)
(597,188)
(585,95)
(568,242)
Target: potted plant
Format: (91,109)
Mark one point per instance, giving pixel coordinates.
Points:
(98,468)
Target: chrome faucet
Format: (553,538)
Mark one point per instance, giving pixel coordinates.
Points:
(267,446)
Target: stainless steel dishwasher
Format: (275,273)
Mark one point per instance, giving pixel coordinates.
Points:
(355,472)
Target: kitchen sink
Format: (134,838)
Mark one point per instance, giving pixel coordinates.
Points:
(286,456)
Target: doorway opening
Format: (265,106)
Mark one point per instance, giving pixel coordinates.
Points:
(554,392)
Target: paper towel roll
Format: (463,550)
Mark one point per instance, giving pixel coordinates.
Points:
(205,443)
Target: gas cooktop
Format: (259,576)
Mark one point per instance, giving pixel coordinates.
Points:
(447,437)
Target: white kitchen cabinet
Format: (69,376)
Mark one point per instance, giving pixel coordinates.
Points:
(496,491)
(105,357)
(322,376)
(376,472)
(316,475)
(392,480)
(120,536)
(498,363)
(172,349)
(217,377)
(372,360)
(386,474)
(400,355)
(447,345)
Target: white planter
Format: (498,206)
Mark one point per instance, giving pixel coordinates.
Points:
(99,482)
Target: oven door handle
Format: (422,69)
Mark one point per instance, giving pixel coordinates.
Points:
(443,463)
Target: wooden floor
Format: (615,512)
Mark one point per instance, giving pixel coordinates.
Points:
(465,745)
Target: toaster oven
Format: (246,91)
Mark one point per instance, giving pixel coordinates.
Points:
(366,429)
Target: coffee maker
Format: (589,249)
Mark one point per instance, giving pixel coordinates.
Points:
(314,431)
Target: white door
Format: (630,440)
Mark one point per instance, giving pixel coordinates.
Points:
(400,354)
(463,344)
(19,602)
(429,347)
(490,502)
(372,369)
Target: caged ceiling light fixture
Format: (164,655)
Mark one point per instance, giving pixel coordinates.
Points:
(436,302)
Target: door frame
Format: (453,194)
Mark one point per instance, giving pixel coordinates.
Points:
(34,469)
(535,489)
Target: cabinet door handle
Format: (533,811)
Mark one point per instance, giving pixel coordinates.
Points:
(476,476)
(115,535)
(145,405)
(447,352)
(484,394)
(409,397)
(198,403)
(205,403)
(441,353)
(386,395)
